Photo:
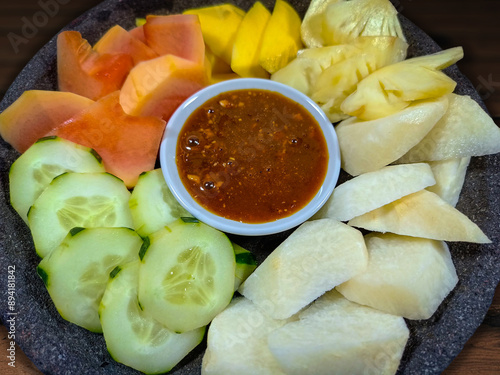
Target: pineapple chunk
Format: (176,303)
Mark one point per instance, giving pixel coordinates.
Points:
(339,80)
(281,40)
(237,341)
(336,336)
(312,26)
(393,87)
(450,177)
(219,24)
(247,43)
(302,72)
(465,130)
(422,214)
(406,276)
(316,257)
(386,185)
(346,20)
(366,146)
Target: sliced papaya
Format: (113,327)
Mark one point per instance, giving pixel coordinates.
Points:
(117,40)
(157,87)
(247,43)
(177,34)
(83,71)
(127,144)
(138,33)
(281,40)
(219,24)
(35,113)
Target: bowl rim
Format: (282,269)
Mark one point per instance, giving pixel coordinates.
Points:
(169,166)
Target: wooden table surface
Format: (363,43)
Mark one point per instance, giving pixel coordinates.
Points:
(473,25)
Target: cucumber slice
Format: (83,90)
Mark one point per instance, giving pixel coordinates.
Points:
(152,204)
(245,264)
(132,336)
(77,271)
(186,275)
(47,158)
(77,200)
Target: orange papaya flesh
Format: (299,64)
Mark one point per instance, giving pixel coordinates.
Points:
(178,34)
(35,113)
(157,87)
(127,144)
(117,40)
(83,71)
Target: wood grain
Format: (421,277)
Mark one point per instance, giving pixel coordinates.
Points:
(473,25)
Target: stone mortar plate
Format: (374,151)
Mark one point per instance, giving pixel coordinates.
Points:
(58,347)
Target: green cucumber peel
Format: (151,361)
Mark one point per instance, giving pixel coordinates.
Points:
(144,247)
(45,277)
(246,258)
(190,220)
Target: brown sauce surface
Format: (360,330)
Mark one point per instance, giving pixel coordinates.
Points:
(252,156)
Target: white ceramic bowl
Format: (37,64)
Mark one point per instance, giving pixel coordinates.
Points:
(169,167)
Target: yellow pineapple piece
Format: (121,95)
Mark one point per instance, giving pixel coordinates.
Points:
(347,20)
(339,80)
(302,72)
(281,40)
(219,24)
(393,87)
(247,43)
(312,26)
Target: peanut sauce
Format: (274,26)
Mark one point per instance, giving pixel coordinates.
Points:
(252,156)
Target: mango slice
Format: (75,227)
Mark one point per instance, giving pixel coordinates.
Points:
(219,24)
(217,65)
(247,43)
(281,40)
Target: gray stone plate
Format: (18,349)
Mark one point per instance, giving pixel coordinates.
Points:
(58,347)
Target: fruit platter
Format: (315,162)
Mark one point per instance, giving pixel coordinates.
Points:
(369,84)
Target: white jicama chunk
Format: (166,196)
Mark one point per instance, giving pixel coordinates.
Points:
(366,146)
(422,214)
(406,276)
(450,177)
(465,130)
(315,258)
(386,185)
(337,336)
(237,342)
